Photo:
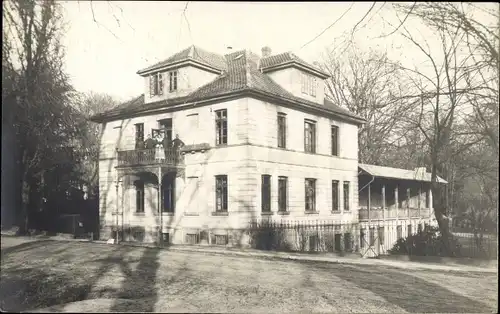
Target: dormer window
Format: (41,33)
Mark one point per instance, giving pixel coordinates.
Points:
(156,84)
(173,81)
(308,84)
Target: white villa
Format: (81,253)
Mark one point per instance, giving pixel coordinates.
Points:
(261,143)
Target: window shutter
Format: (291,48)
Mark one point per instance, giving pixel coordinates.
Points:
(151,85)
(160,83)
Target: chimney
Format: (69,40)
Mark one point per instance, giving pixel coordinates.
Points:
(266,52)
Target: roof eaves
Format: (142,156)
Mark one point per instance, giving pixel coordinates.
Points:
(177,63)
(298,64)
(366,168)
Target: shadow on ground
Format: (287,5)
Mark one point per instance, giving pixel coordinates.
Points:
(30,285)
(402,289)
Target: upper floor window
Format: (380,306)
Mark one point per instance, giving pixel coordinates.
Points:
(166,126)
(281,130)
(266,193)
(221,127)
(310,187)
(335,140)
(139,135)
(309,136)
(308,84)
(156,84)
(172,81)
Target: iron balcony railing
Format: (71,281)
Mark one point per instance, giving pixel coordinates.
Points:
(151,156)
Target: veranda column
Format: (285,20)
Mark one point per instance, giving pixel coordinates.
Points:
(419,200)
(431,205)
(116,209)
(383,202)
(396,202)
(160,232)
(369,202)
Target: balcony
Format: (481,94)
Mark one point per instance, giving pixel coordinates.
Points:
(150,157)
(390,213)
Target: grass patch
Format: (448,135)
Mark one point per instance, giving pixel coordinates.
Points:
(52,273)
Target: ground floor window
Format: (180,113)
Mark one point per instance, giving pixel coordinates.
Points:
(166,237)
(220,239)
(139,196)
(168,194)
(310,192)
(221,193)
(192,238)
(282,194)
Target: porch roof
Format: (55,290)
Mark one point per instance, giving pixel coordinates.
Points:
(398,173)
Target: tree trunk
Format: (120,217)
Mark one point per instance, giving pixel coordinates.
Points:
(439,209)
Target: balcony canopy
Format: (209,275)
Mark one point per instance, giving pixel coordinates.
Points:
(418,174)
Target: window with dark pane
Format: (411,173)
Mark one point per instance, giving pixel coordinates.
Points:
(139,196)
(221,127)
(221,193)
(346,196)
(166,126)
(172,81)
(282,194)
(139,135)
(335,195)
(335,140)
(309,136)
(281,130)
(310,192)
(266,193)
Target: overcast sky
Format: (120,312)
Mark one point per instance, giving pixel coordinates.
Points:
(104,55)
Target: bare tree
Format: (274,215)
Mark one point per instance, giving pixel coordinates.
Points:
(365,84)
(89,136)
(443,95)
(482,43)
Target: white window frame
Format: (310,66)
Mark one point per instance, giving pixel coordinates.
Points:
(156,84)
(173,79)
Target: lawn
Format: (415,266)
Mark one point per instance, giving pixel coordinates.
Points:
(117,278)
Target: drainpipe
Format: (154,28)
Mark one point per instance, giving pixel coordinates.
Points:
(160,203)
(373,179)
(116,212)
(369,205)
